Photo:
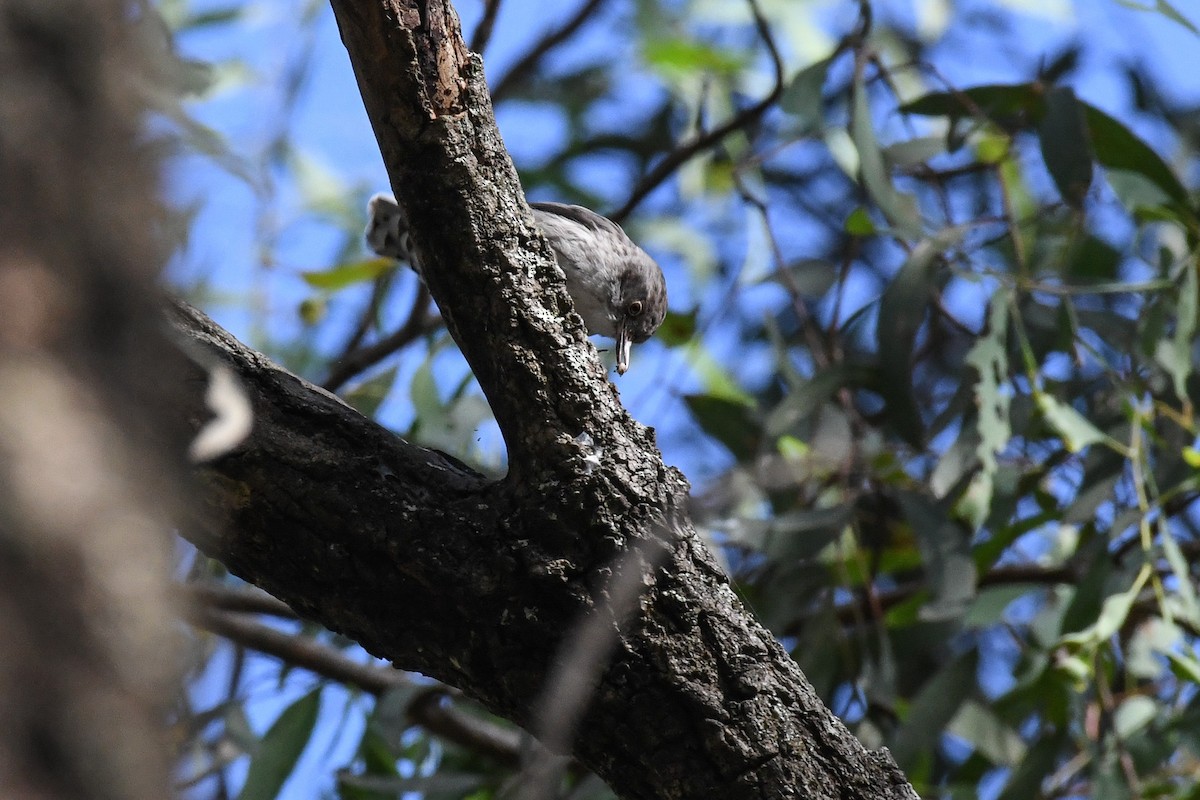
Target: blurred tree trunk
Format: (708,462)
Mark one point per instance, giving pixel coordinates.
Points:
(87,655)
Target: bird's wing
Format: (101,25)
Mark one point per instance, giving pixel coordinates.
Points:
(584,216)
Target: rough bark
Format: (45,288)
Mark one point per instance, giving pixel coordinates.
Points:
(87,662)
(483,584)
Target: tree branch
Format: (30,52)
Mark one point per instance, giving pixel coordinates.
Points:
(529,62)
(425,709)
(479,583)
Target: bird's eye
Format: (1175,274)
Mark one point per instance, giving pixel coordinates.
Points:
(634,308)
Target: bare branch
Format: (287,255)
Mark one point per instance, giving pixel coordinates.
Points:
(426,709)
(529,62)
(418,323)
(483,33)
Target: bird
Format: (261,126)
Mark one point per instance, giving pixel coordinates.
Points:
(616,287)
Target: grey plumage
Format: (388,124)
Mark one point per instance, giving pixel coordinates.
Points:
(615,285)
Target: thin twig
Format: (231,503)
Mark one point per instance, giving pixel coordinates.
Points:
(483,31)
(370,313)
(427,708)
(529,62)
(704,140)
(417,324)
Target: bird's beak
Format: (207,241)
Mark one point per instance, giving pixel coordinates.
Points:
(623,345)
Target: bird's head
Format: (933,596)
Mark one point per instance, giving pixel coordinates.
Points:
(639,306)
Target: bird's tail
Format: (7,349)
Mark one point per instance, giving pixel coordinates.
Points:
(387,229)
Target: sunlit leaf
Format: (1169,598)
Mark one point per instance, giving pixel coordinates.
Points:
(1134,714)
(1166,9)
(989,357)
(344,275)
(1112,616)
(686,55)
(1185,667)
(1077,432)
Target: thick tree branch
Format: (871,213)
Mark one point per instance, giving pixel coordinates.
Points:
(476,584)
(479,583)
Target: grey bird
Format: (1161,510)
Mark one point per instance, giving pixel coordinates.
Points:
(615,285)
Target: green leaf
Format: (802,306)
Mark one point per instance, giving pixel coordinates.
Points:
(801,402)
(1166,9)
(1185,592)
(312,310)
(1117,148)
(934,706)
(811,277)
(673,54)
(368,395)
(1185,667)
(803,97)
(280,748)
(1090,591)
(914,151)
(1134,714)
(989,357)
(344,275)
(989,605)
(979,726)
(1113,614)
(899,208)
(802,534)
(1009,105)
(946,554)
(1063,133)
(1175,355)
(1113,145)
(1026,780)
(1076,431)
(859,223)
(215,16)
(730,422)
(901,313)
(677,328)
